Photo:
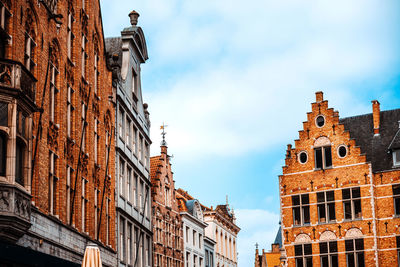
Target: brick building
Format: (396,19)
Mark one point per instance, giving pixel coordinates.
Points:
(57,124)
(340,188)
(270,258)
(134,231)
(166,219)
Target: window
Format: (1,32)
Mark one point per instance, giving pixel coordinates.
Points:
(29,52)
(83,123)
(134,84)
(108,220)
(323,157)
(136,245)
(396,157)
(326,206)
(301,209)
(167,197)
(303,157)
(148,249)
(128,184)
(303,255)
(128,132)
(69,192)
(398,249)
(84,203)
(194,238)
(129,244)
(84,56)
(52,183)
(140,153)
(355,252)
(187,234)
(200,238)
(53,92)
(187,259)
(342,151)
(396,198)
(4,15)
(70,36)
(96,72)
(141,189)
(69,112)
(3,113)
(3,153)
(121,123)
(134,139)
(19,161)
(122,239)
(121,177)
(135,181)
(328,253)
(320,121)
(146,155)
(352,203)
(96,140)
(96,209)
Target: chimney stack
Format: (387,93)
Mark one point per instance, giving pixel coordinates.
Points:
(376,110)
(319,96)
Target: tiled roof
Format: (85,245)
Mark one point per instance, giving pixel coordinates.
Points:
(154,162)
(278,238)
(272,259)
(376,147)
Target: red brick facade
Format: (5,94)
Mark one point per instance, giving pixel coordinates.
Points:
(167,222)
(336,190)
(75,83)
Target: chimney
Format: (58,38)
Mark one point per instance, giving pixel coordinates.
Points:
(319,96)
(376,110)
(275,248)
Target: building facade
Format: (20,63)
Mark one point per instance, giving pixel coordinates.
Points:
(339,189)
(221,227)
(167,223)
(134,232)
(209,252)
(57,143)
(193,229)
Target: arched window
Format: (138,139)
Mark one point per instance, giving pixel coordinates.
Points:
(322,153)
(3,153)
(19,161)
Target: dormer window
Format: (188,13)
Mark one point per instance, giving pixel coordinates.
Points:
(396,158)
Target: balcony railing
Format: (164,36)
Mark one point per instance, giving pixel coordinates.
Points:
(16,78)
(15,212)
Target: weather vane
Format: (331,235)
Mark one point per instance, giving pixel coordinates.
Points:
(163,133)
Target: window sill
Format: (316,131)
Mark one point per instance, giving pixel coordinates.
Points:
(328,222)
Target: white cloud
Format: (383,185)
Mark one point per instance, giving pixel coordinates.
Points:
(257,226)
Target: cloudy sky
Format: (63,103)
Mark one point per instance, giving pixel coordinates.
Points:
(233,80)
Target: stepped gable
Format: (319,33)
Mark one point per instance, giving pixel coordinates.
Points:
(376,147)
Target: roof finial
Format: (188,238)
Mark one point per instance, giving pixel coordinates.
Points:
(163,133)
(227,200)
(256,245)
(133,16)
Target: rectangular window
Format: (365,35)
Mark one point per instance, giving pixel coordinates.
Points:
(200,238)
(52,183)
(108,220)
(129,244)
(141,189)
(136,245)
(84,204)
(140,148)
(96,209)
(146,155)
(328,254)
(194,238)
(69,192)
(396,157)
(84,56)
(53,92)
(323,157)
(134,185)
(351,199)
(301,209)
(96,72)
(326,206)
(121,177)
(128,184)
(96,140)
(83,125)
(396,199)
(128,132)
(167,197)
(29,52)
(122,239)
(355,252)
(121,123)
(70,35)
(398,250)
(134,139)
(303,255)
(187,259)
(69,111)
(187,234)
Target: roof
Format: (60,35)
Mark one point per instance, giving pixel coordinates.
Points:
(376,147)
(154,163)
(278,238)
(273,259)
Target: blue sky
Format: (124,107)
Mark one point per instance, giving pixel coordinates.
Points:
(234,81)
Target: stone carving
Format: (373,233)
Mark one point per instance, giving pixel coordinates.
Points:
(108,185)
(322,141)
(84,163)
(52,135)
(51,5)
(353,232)
(327,235)
(84,91)
(55,51)
(96,108)
(302,238)
(69,150)
(85,22)
(96,175)
(4,200)
(5,74)
(70,74)
(22,207)
(29,23)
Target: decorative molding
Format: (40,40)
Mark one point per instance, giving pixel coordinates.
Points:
(302,238)
(322,141)
(327,235)
(353,233)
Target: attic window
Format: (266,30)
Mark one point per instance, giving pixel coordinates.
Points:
(396,157)
(320,121)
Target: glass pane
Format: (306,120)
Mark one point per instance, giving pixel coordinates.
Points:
(333,246)
(321,197)
(295,200)
(296,216)
(305,199)
(334,261)
(323,248)
(330,195)
(3,114)
(398,241)
(19,163)
(318,158)
(359,244)
(324,261)
(357,208)
(299,262)
(355,192)
(328,157)
(360,259)
(309,262)
(298,250)
(350,260)
(347,210)
(345,193)
(306,214)
(396,188)
(331,211)
(321,213)
(307,249)
(349,245)
(3,154)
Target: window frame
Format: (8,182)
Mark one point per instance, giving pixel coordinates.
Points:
(355,252)
(324,154)
(396,198)
(303,256)
(326,204)
(302,210)
(352,200)
(329,254)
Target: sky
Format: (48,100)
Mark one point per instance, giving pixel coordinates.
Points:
(233,81)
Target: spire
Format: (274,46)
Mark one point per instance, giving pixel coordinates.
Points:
(163,133)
